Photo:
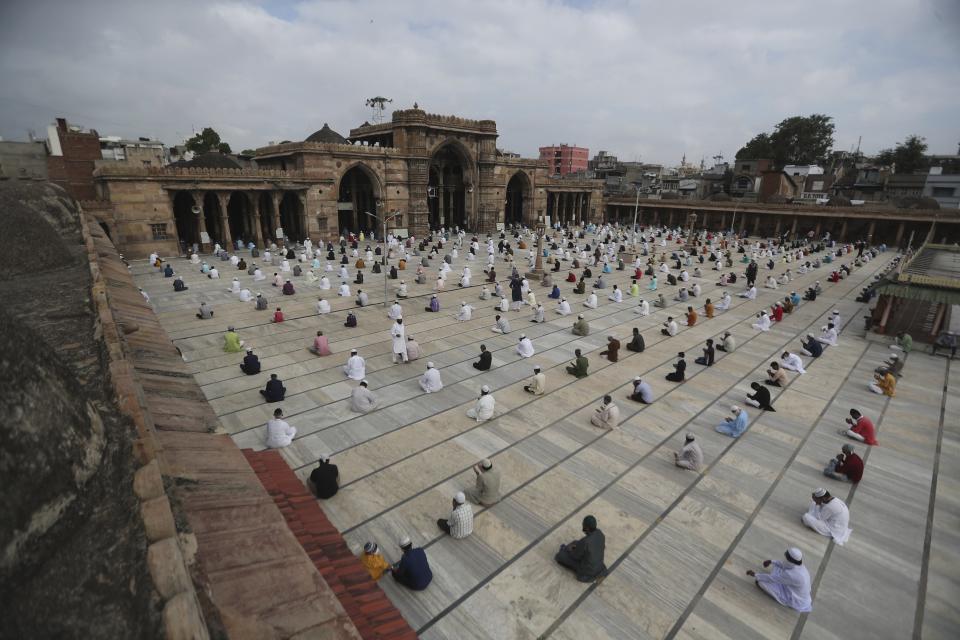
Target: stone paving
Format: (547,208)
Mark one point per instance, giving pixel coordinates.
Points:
(678,542)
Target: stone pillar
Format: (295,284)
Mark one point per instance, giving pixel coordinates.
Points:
(816,232)
(223,200)
(756,225)
(304,230)
(201,219)
(257,221)
(887,302)
(670,219)
(843,231)
(706,221)
(870,230)
(743,223)
(793,227)
(900,230)
(776,230)
(275,198)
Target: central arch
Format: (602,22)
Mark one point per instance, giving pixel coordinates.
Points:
(240,217)
(358,194)
(516,210)
(291,217)
(187,222)
(450,185)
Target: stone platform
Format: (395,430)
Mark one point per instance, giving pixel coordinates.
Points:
(678,543)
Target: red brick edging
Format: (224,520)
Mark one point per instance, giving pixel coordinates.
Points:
(371,611)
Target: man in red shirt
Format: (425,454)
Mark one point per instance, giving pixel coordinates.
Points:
(846,467)
(861,428)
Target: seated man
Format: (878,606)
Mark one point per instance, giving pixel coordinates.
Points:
(776,377)
(581,327)
(483,409)
(486,490)
(893,366)
(708,356)
(205,312)
(275,391)
(669,327)
(787,583)
(884,384)
(728,344)
(250,364)
(811,346)
(846,467)
(486,359)
(362,399)
(642,392)
(734,425)
(612,350)
(607,415)
(828,516)
(279,433)
(690,456)
(413,570)
(585,556)
(760,397)
(324,481)
(538,383)
(460,523)
(579,366)
(679,369)
(636,342)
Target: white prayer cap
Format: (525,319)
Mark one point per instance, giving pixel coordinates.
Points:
(795,554)
(819,492)
(563,299)
(823,328)
(250,350)
(429,365)
(894,356)
(734,408)
(324,458)
(835,312)
(522,336)
(485,388)
(580,315)
(463,304)
(460,498)
(353,350)
(405,542)
(485,463)
(636,378)
(364,382)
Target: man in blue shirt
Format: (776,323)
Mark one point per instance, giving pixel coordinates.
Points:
(413,570)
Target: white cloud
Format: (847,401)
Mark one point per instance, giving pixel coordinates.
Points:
(650,78)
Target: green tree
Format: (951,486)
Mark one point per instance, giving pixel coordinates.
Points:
(796,140)
(803,140)
(759,147)
(908,156)
(248,152)
(207,140)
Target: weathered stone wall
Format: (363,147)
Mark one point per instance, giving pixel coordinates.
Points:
(134,206)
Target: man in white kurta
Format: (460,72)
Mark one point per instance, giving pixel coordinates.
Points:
(525,347)
(643,308)
(607,415)
(356,367)
(501,325)
(396,311)
(828,335)
(749,294)
(724,303)
(324,283)
(828,516)
(484,407)
(430,380)
(792,361)
(690,455)
(465,313)
(279,433)
(344,290)
(563,308)
(787,582)
(763,322)
(591,301)
(538,314)
(245,295)
(362,399)
(616,295)
(398,341)
(323,306)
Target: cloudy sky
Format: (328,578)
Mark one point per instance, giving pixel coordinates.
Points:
(648,80)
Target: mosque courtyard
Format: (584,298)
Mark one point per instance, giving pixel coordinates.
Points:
(678,542)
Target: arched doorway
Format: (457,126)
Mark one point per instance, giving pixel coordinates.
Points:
(186,221)
(357,195)
(211,216)
(240,217)
(291,217)
(518,199)
(450,187)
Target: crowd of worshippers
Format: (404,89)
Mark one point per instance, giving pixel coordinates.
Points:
(787,582)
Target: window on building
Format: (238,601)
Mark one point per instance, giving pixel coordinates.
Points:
(159,231)
(746,167)
(943,192)
(146,163)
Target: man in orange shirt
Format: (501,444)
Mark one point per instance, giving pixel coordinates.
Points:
(691,317)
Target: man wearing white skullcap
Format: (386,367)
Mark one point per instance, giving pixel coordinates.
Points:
(525,347)
(484,407)
(828,516)
(430,381)
(690,456)
(362,399)
(356,367)
(487,488)
(787,582)
(460,523)
(413,570)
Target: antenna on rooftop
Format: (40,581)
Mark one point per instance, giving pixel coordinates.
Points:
(718,158)
(378,105)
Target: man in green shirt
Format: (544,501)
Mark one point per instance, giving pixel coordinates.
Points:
(579,365)
(903,342)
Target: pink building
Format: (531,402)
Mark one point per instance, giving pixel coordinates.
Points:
(563,159)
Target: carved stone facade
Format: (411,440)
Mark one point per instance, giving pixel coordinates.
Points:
(419,171)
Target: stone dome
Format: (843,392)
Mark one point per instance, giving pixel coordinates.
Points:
(210,160)
(326,134)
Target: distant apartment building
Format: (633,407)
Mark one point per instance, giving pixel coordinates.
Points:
(563,159)
(73,157)
(943,187)
(23,160)
(142,152)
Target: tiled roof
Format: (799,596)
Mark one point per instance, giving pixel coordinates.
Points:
(371,611)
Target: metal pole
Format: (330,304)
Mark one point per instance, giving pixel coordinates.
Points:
(636,207)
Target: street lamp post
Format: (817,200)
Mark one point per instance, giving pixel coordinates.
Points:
(383,258)
(636,208)
(734,219)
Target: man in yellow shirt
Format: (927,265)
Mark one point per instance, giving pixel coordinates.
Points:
(884,384)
